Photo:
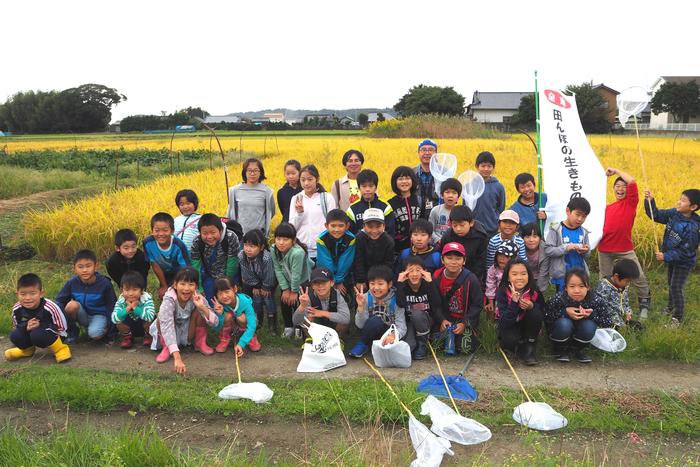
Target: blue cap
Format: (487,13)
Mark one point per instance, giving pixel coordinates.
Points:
(427,142)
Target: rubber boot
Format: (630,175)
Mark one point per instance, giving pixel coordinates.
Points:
(224,339)
(529,354)
(200,341)
(61,352)
(147,339)
(644,307)
(272,325)
(580,353)
(15,353)
(164,354)
(254,344)
(561,351)
(127,341)
(421,348)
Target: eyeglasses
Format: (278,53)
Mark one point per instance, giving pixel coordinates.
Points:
(427,150)
(252,171)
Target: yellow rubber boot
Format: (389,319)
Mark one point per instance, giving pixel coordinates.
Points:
(61,351)
(15,353)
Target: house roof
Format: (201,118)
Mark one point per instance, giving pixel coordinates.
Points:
(675,79)
(222,118)
(497,100)
(602,86)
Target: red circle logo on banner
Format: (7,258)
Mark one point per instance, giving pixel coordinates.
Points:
(556,98)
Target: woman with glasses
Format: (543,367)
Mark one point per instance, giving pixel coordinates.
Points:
(252,202)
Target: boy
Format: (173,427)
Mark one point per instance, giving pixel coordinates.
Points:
(680,244)
(374,246)
(493,201)
(134,310)
(421,233)
(214,253)
(377,310)
(462,298)
(323,304)
(529,203)
(166,253)
(36,322)
(335,249)
(368,180)
(613,291)
(508,223)
(427,197)
(469,233)
(450,191)
(128,257)
(417,295)
(567,244)
(87,298)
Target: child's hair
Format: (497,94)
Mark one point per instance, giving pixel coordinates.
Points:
(403,171)
(413,261)
(693,195)
(619,179)
(380,271)
(163,217)
(533,228)
(580,273)
(461,213)
(210,219)
(522,179)
(335,215)
(222,284)
(124,235)
(451,184)
(29,280)
(189,195)
(531,282)
(133,279)
(485,157)
(294,163)
(286,230)
(255,237)
(311,169)
(579,204)
(85,254)
(187,274)
(348,154)
(367,176)
(252,160)
(626,269)
(422,226)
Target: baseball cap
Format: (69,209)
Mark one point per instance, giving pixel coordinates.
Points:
(373,214)
(454,247)
(509,215)
(321,275)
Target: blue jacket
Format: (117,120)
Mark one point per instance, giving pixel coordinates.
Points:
(336,254)
(431,259)
(490,205)
(528,214)
(681,237)
(97,298)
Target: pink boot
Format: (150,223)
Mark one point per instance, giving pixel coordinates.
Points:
(224,338)
(164,354)
(254,344)
(200,341)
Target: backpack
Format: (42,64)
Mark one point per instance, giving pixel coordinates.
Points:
(231,225)
(390,309)
(332,301)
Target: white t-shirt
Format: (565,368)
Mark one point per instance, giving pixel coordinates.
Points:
(311,222)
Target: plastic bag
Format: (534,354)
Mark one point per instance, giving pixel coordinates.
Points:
(450,425)
(323,353)
(257,392)
(394,355)
(429,448)
(609,340)
(539,416)
(472,187)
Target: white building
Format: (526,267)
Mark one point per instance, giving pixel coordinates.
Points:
(214,119)
(494,107)
(664,120)
(274,117)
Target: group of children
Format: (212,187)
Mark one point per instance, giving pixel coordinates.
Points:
(429,267)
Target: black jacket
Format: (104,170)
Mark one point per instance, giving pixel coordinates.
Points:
(117,265)
(476,244)
(370,253)
(427,296)
(284,199)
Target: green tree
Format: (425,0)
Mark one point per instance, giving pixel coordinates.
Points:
(380,117)
(362,119)
(526,114)
(681,100)
(592,110)
(424,99)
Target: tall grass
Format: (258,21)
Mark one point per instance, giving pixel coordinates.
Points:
(18,181)
(431,126)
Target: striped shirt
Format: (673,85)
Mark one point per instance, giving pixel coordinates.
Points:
(144,310)
(49,314)
(497,241)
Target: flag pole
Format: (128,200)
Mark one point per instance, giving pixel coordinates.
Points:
(539,155)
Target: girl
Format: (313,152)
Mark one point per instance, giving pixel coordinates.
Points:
(183,314)
(534,250)
(573,315)
(186,223)
(292,170)
(494,275)
(252,202)
(134,309)
(521,310)
(308,209)
(405,204)
(235,309)
(258,277)
(292,269)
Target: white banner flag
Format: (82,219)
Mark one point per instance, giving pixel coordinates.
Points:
(571,168)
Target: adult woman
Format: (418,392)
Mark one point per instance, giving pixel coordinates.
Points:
(252,202)
(345,190)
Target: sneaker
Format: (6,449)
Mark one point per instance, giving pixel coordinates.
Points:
(675,323)
(643,314)
(359,350)
(127,341)
(582,356)
(564,357)
(298,335)
(288,333)
(147,340)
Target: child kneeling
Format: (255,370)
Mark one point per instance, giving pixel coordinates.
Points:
(323,304)
(235,310)
(134,310)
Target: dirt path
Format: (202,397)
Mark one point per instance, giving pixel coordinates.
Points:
(485,371)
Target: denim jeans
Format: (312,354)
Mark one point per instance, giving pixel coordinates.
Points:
(564,328)
(97,325)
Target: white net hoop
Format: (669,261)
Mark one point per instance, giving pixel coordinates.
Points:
(631,102)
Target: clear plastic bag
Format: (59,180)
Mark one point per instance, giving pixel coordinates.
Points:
(609,340)
(430,449)
(450,425)
(539,416)
(256,392)
(394,355)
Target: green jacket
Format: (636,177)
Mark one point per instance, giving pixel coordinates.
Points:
(292,268)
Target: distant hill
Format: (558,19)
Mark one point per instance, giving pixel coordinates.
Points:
(299,113)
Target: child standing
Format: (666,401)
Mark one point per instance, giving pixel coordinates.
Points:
(323,304)
(537,260)
(36,322)
(573,315)
(134,310)
(508,222)
(368,180)
(505,252)
(235,310)
(405,204)
(469,233)
(450,190)
(421,233)
(529,205)
(567,244)
(377,310)
(292,171)
(214,253)
(252,203)
(679,247)
(128,257)
(166,253)
(258,277)
(374,246)
(186,223)
(335,249)
(613,291)
(493,201)
(308,209)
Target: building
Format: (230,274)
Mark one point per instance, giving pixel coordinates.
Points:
(664,120)
(214,119)
(609,95)
(494,107)
(274,117)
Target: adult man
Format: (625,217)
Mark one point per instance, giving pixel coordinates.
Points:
(427,196)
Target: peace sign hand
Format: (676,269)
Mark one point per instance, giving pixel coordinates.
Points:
(360,297)
(514,294)
(304,297)
(218,307)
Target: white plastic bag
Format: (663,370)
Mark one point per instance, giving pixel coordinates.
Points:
(450,425)
(429,448)
(257,392)
(609,340)
(539,416)
(394,355)
(324,353)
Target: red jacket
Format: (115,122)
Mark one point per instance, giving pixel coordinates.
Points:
(619,220)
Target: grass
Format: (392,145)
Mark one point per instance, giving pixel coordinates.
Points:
(18,181)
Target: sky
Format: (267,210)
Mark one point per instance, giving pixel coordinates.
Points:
(228,56)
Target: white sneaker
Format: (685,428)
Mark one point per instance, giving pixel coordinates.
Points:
(674,323)
(288,333)
(297,333)
(643,314)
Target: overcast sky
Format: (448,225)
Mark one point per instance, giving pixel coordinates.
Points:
(237,56)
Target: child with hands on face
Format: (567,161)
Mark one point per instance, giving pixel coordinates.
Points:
(134,309)
(235,310)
